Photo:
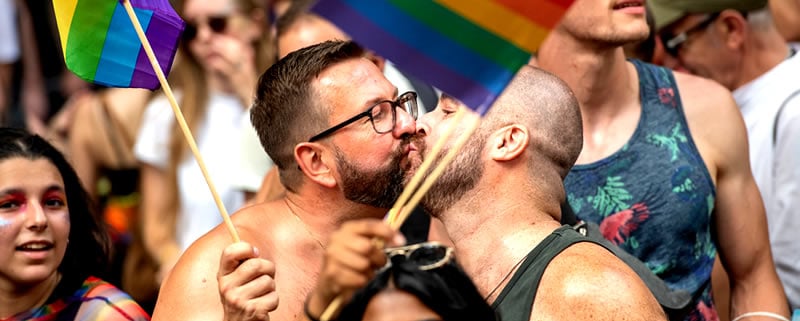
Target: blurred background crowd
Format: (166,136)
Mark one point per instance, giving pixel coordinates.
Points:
(133,160)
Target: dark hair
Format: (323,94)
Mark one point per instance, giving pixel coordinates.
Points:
(88,249)
(447,290)
(284,113)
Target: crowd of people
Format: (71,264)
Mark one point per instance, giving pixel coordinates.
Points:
(644,166)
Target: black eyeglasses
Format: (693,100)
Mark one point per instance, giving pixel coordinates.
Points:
(382,115)
(673,44)
(425,256)
(217,24)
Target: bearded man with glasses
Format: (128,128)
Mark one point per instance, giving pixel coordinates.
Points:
(344,142)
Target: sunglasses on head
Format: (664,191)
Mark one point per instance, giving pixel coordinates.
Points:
(217,24)
(425,256)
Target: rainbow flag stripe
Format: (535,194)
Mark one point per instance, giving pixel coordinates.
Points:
(470,49)
(100,44)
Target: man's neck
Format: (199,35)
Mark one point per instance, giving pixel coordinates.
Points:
(491,237)
(599,76)
(323,214)
(768,51)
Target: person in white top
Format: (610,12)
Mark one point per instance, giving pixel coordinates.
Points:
(737,44)
(225,47)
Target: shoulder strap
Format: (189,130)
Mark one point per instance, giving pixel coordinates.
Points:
(778,116)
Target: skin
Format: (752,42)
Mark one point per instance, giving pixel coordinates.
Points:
(607,89)
(229,63)
(398,305)
(33,208)
(282,255)
(787,18)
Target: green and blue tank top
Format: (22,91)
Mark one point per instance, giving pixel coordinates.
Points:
(654,197)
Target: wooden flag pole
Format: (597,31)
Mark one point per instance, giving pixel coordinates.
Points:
(187,133)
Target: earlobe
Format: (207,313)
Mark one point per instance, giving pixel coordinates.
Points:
(314,165)
(509,142)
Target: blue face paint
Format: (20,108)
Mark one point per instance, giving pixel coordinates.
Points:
(4,223)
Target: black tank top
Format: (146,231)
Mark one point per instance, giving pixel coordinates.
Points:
(516,301)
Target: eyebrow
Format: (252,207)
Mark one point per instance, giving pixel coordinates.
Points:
(50,188)
(375,101)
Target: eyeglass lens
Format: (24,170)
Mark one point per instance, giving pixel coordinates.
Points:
(383,114)
(427,255)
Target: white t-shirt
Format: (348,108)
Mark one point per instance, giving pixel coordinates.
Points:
(9,33)
(215,138)
(776,168)
(253,161)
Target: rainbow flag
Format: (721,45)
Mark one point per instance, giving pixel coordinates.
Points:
(100,44)
(469,49)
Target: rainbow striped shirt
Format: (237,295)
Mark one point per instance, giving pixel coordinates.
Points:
(94,300)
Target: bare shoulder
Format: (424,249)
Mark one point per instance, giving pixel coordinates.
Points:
(714,119)
(586,282)
(191,291)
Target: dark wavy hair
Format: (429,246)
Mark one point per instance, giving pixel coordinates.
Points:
(89,246)
(447,290)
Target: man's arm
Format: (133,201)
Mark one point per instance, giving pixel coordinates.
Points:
(190,291)
(218,280)
(719,132)
(587,282)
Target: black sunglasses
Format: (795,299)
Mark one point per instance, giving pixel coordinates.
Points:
(673,44)
(425,256)
(217,24)
(382,115)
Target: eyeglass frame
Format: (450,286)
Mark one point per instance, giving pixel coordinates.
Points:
(368,113)
(408,249)
(674,44)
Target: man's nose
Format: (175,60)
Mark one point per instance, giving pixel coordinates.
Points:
(422,125)
(406,125)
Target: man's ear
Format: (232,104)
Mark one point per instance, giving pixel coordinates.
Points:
(509,142)
(734,28)
(313,161)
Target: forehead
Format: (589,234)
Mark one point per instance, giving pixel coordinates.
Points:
(19,172)
(355,83)
(201,8)
(397,305)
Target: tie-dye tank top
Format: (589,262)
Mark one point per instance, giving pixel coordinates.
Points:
(654,196)
(94,300)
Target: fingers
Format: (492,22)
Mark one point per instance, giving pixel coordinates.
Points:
(233,255)
(246,283)
(353,255)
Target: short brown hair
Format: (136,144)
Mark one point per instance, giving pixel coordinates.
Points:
(284,113)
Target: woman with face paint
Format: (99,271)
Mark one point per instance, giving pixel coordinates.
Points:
(52,247)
